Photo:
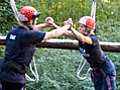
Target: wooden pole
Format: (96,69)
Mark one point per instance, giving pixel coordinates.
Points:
(71,44)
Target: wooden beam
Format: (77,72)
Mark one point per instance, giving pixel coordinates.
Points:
(71,44)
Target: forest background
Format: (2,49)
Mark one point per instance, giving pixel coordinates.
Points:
(57,67)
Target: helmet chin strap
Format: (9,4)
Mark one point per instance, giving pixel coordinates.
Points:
(31,27)
(86,32)
(34,17)
(28,25)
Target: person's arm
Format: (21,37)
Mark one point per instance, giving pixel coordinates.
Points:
(40,26)
(81,37)
(55,25)
(69,34)
(49,22)
(45,25)
(56,32)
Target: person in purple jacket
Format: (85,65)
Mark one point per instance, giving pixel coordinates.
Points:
(20,47)
(103,70)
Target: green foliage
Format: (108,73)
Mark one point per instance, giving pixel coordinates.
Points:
(7,19)
(2,49)
(57,68)
(5,12)
(107,21)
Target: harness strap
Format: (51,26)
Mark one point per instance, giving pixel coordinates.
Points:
(108,79)
(10,65)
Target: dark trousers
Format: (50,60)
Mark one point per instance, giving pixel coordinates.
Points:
(104,79)
(12,86)
(102,82)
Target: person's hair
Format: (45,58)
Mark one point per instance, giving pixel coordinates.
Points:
(90,31)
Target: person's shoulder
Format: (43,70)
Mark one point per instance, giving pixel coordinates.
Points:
(94,36)
(95,40)
(14,29)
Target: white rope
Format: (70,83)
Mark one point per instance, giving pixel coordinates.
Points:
(83,62)
(93,9)
(12,3)
(80,68)
(35,73)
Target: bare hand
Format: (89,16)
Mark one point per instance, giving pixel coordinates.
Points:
(49,21)
(69,22)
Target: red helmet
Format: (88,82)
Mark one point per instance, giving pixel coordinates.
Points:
(27,13)
(87,21)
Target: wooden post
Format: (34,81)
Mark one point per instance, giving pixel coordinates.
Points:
(71,44)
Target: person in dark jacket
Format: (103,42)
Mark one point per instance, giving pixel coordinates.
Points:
(103,70)
(20,47)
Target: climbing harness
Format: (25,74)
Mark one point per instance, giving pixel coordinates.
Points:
(35,73)
(82,61)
